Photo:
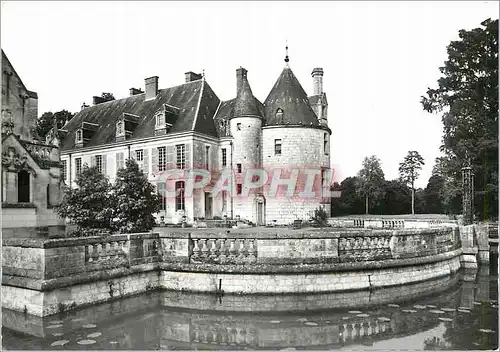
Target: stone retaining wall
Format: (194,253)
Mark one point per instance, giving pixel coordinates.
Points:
(44,276)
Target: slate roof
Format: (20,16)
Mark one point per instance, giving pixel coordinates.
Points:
(195,100)
(314,99)
(289,96)
(245,103)
(31,94)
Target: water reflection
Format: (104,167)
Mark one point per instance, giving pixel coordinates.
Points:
(448,313)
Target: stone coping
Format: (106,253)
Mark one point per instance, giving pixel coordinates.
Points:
(255,268)
(327,233)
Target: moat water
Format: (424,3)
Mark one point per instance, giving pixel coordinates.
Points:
(455,313)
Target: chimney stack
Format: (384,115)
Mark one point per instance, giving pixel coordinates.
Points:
(191,76)
(151,87)
(84,106)
(97,100)
(317,75)
(135,91)
(241,74)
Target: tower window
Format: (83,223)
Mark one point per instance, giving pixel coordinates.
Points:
(279,116)
(207,157)
(238,166)
(277,147)
(238,126)
(325,144)
(79,136)
(224,157)
(238,188)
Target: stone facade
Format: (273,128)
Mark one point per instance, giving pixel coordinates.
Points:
(224,137)
(30,167)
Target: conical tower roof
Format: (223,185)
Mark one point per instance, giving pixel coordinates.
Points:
(245,103)
(288,104)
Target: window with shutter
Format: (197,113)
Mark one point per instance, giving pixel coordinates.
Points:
(145,162)
(154,160)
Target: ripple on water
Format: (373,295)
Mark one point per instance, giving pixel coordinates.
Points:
(445,319)
(363,315)
(448,309)
(310,323)
(464,310)
(56,322)
(488,331)
(431,306)
(301,320)
(477,303)
(76,320)
(384,319)
(392,305)
(418,306)
(86,342)
(89,326)
(113,342)
(54,326)
(59,343)
(346,318)
(355,312)
(57,334)
(436,311)
(94,334)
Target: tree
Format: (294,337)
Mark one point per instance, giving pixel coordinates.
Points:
(448,168)
(90,205)
(409,172)
(136,200)
(46,122)
(433,195)
(370,181)
(397,196)
(350,202)
(467,98)
(107,97)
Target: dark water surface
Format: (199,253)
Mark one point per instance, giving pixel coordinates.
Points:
(447,314)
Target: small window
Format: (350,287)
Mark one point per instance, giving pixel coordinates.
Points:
(325,144)
(119,128)
(224,157)
(207,157)
(279,116)
(160,120)
(238,166)
(139,155)
(162,161)
(78,166)
(98,163)
(277,146)
(181,156)
(63,170)
(79,136)
(179,198)
(238,188)
(238,126)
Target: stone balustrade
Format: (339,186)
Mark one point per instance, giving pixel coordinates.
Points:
(388,223)
(254,261)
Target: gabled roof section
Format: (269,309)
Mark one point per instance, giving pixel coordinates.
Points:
(289,96)
(31,94)
(245,103)
(193,99)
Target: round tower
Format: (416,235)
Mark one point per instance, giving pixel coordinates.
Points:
(295,145)
(246,130)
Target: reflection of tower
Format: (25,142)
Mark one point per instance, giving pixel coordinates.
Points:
(468,193)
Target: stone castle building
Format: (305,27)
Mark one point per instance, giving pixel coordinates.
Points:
(188,127)
(30,168)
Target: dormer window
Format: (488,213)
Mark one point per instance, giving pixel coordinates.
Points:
(119,128)
(79,136)
(279,116)
(160,120)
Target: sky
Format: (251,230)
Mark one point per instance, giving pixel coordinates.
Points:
(378,58)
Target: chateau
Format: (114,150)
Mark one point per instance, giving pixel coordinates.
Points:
(30,168)
(187,127)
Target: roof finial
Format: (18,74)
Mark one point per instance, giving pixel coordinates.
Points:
(286,49)
(203,73)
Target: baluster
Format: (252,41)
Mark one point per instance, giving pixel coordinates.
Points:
(95,252)
(213,250)
(364,244)
(196,249)
(342,244)
(196,334)
(204,249)
(348,244)
(90,253)
(232,249)
(241,249)
(349,331)
(365,328)
(341,331)
(251,250)
(222,251)
(106,247)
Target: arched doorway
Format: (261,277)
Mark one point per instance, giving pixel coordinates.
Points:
(23,186)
